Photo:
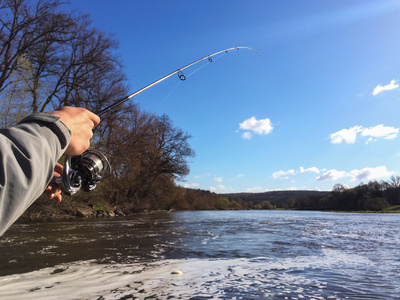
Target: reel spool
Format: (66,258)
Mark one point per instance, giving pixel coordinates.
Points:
(83,171)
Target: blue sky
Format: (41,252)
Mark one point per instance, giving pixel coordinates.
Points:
(319,106)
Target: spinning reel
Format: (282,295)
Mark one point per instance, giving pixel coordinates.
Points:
(83,171)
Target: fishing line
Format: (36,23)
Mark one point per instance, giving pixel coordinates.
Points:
(162,102)
(186,76)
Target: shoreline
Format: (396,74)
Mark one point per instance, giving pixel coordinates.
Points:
(112,215)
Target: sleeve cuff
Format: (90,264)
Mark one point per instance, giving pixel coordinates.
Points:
(52,122)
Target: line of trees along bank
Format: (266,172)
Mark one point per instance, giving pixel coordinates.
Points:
(373,196)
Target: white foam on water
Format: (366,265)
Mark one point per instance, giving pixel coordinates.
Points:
(200,279)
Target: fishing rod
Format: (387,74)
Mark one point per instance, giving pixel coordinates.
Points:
(86,170)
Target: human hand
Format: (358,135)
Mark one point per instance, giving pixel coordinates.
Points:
(53,190)
(80,122)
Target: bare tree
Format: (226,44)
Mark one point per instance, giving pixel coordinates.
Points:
(170,150)
(147,153)
(395,182)
(14,105)
(23,27)
(67,62)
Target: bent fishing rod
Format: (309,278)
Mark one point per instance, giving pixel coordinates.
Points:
(86,170)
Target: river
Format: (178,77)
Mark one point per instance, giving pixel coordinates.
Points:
(205,255)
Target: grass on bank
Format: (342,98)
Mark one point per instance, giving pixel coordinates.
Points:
(392,209)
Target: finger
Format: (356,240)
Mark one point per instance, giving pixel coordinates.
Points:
(52,190)
(58,199)
(58,169)
(94,118)
(48,193)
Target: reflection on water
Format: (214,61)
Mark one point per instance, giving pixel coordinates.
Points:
(28,247)
(239,254)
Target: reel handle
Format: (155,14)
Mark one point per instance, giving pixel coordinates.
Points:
(71,180)
(83,171)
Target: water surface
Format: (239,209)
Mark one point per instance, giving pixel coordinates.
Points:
(222,255)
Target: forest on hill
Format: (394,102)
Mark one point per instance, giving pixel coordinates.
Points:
(373,196)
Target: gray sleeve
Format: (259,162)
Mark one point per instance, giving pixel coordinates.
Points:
(28,154)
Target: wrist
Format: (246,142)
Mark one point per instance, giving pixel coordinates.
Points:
(52,122)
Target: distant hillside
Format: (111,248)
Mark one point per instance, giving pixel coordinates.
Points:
(275,196)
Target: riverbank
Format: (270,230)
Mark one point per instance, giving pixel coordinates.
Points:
(45,210)
(393,209)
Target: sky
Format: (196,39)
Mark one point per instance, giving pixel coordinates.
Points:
(319,105)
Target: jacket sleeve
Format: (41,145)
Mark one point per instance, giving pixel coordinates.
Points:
(28,154)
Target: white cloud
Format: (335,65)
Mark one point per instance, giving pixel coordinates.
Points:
(262,126)
(202,175)
(380,131)
(369,173)
(309,170)
(247,135)
(348,135)
(331,175)
(291,189)
(218,179)
(283,174)
(191,185)
(374,133)
(220,187)
(256,189)
(356,175)
(240,176)
(379,88)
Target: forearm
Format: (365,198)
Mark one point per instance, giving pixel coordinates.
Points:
(28,154)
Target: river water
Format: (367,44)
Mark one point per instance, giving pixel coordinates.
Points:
(216,255)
